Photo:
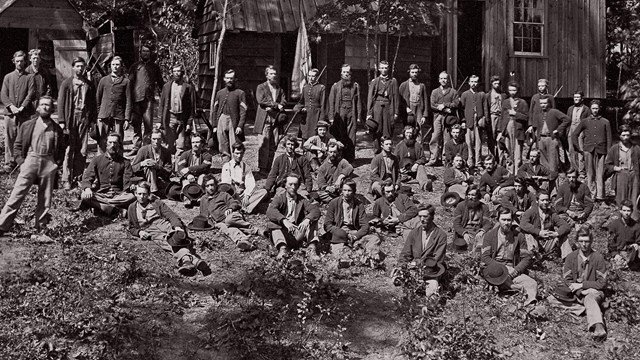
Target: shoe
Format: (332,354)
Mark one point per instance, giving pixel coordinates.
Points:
(312,252)
(187,204)
(133,152)
(263,231)
(186,267)
(428,186)
(203,267)
(245,245)
(123,213)
(282,253)
(599,333)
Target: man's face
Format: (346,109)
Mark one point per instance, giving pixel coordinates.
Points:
(156,140)
(443,79)
(542,87)
(145,53)
(473,195)
(387,146)
(544,104)
(544,201)
(78,68)
(577,99)
(142,195)
(333,153)
(625,137)
(595,109)
(390,193)
(519,188)
(426,219)
(345,73)
(455,133)
(116,67)
(489,164)
(506,222)
(177,73)
(347,192)
(313,76)
(20,62)
(211,187)
(292,185)
(322,131)
(113,145)
(35,60)
(534,157)
(45,108)
(473,83)
(271,75)
(513,91)
(229,79)
(458,163)
(384,69)
(626,211)
(196,143)
(290,147)
(238,155)
(572,178)
(584,243)
(496,85)
(413,74)
(408,133)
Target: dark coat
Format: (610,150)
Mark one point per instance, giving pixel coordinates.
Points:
(422,107)
(277,211)
(521,254)
(510,200)
(335,101)
(334,217)
(597,135)
(535,109)
(530,223)
(236,103)
(473,103)
(379,170)
(281,168)
(556,120)
(114,98)
(66,105)
(413,251)
(265,100)
(313,100)
(521,118)
(613,159)
(408,210)
(161,208)
(23,142)
(189,103)
(407,156)
(450,99)
(392,90)
(461,219)
(146,152)
(596,276)
(203,168)
(583,196)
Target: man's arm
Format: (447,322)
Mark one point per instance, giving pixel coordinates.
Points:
(4,93)
(273,175)
(441,246)
(370,97)
(411,210)
(213,117)
(89,174)
(487,250)
(375,169)
(565,122)
(329,216)
(574,136)
(406,254)
(273,211)
(525,255)
(458,213)
(526,223)
(363,220)
(608,133)
(601,275)
(264,101)
(312,210)
(561,227)
(332,98)
(588,202)
(168,214)
(99,92)
(129,96)
(126,176)
(243,110)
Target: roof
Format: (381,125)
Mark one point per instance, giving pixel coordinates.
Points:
(4,4)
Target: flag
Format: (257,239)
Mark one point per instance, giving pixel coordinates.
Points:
(302,60)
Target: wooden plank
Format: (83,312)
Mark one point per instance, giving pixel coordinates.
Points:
(238,17)
(309,8)
(49,4)
(288,16)
(275,18)
(265,25)
(250,13)
(295,7)
(598,43)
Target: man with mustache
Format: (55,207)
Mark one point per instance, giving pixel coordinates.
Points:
(577,112)
(494,99)
(177,111)
(311,105)
(287,163)
(519,199)
(622,164)
(333,172)
(512,125)
(471,219)
(384,166)
(455,146)
(153,162)
(574,199)
(393,212)
(114,103)
(496,180)
(624,237)
(382,105)
(535,173)
(344,109)
(270,117)
(475,116)
(414,102)
(444,102)
(456,178)
(229,114)
(546,227)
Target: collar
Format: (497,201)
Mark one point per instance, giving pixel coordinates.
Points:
(23,72)
(385,78)
(235,163)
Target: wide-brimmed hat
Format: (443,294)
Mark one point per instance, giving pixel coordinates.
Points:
(322,123)
(173,191)
(281,118)
(372,125)
(460,245)
(228,188)
(178,238)
(432,269)
(450,199)
(192,191)
(495,273)
(200,223)
(563,293)
(339,236)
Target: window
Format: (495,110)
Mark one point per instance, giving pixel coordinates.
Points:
(213,47)
(528,27)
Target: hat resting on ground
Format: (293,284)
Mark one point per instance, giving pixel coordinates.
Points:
(192,191)
(450,199)
(563,293)
(460,245)
(200,223)
(178,238)
(495,273)
(432,269)
(173,191)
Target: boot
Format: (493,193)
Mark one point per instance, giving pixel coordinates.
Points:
(312,252)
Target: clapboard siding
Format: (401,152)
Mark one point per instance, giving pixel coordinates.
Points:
(35,14)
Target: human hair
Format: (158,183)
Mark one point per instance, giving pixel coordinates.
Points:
(584,230)
(474,77)
(196,136)
(489,157)
(209,177)
(456,127)
(471,188)
(314,70)
(383,62)
(545,81)
(545,97)
(427,207)
(115,134)
(291,138)
(78,59)
(230,71)
(19,53)
(407,127)
(494,78)
(572,170)
(542,192)
(627,203)
(387,182)
(443,73)
(238,145)
(513,84)
(269,67)
(47,97)
(157,131)
(350,183)
(624,128)
(34,52)
(503,210)
(294,175)
(595,102)
(177,66)
(385,138)
(345,66)
(578,92)
(335,144)
(149,45)
(414,67)
(145,185)
(119,59)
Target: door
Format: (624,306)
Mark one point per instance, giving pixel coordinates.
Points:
(470,20)
(12,40)
(65,51)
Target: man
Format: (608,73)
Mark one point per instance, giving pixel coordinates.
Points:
(287,163)
(153,162)
(425,242)
(151,219)
(395,213)
(496,180)
(113,99)
(229,114)
(456,146)
(293,220)
(456,178)
(577,112)
(107,180)
(624,237)
(585,274)
(344,111)
(145,77)
(42,79)
(18,90)
(597,141)
(547,228)
(475,116)
(317,145)
(177,110)
(193,165)
(412,160)
(494,99)
(471,219)
(543,91)
(76,113)
(269,118)
(384,166)
(622,164)
(39,149)
(238,175)
(506,246)
(574,199)
(311,104)
(515,118)
(518,200)
(444,102)
(535,174)
(333,172)
(382,105)
(414,101)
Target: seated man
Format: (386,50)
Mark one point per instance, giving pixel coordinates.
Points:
(624,238)
(412,160)
(293,220)
(425,242)
(224,211)
(237,175)
(317,145)
(194,164)
(505,247)
(574,199)
(456,146)
(519,199)
(545,229)
(471,219)
(456,178)
(394,212)
(287,163)
(107,180)
(536,173)
(151,219)
(153,162)
(496,180)
(333,172)
(384,166)
(585,277)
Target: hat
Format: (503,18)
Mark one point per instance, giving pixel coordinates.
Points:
(192,191)
(178,238)
(411,119)
(228,188)
(200,223)
(495,273)
(432,269)
(451,120)
(281,118)
(339,236)
(322,123)
(172,191)
(371,125)
(563,293)
(459,244)
(450,199)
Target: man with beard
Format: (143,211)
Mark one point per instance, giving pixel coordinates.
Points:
(623,165)
(384,166)
(76,113)
(114,103)
(382,105)
(42,79)
(177,110)
(455,146)
(574,199)
(506,246)
(229,114)
(269,118)
(153,162)
(333,172)
(515,119)
(412,160)
(543,92)
(456,178)
(475,116)
(395,213)
(344,111)
(311,104)
(545,228)
(317,145)
(39,150)
(624,237)
(237,174)
(519,199)
(444,102)
(288,163)
(577,112)
(536,174)
(145,77)
(496,180)
(18,91)
(107,180)
(471,219)
(597,141)
(414,101)
(494,99)
(194,164)
(293,220)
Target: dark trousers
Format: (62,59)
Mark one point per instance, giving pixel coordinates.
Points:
(344,130)
(142,114)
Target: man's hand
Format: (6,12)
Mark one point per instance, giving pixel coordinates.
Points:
(125,126)
(422,121)
(530,129)
(468,238)
(304,225)
(395,116)
(304,109)
(575,286)
(414,168)
(512,112)
(369,117)
(87,194)
(227,212)
(617,168)
(214,129)
(440,107)
(289,225)
(144,235)
(14,109)
(238,131)
(546,233)
(499,137)
(391,220)
(187,128)
(191,178)
(487,198)
(184,171)
(512,272)
(409,112)
(330,189)
(280,107)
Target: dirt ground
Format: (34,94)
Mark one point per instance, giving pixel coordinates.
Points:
(95,292)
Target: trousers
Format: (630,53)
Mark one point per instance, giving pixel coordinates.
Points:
(344,130)
(474,141)
(514,146)
(549,147)
(142,115)
(594,164)
(439,136)
(75,156)
(159,231)
(267,145)
(11,124)
(109,203)
(177,137)
(226,137)
(296,239)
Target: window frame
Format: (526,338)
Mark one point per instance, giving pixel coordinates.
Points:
(544,37)
(213,48)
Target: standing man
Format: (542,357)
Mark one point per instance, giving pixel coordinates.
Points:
(414,100)
(623,165)
(515,118)
(269,118)
(41,77)
(494,99)
(114,103)
(444,102)
(177,111)
(597,141)
(238,174)
(475,116)
(229,114)
(145,77)
(39,149)
(543,91)
(312,105)
(577,112)
(18,90)
(76,113)
(382,105)
(344,111)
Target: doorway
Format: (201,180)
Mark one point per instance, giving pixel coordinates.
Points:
(12,40)
(470,27)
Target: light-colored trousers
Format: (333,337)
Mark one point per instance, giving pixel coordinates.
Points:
(159,231)
(297,238)
(250,201)
(75,156)
(514,146)
(439,137)
(594,163)
(109,203)
(474,141)
(11,124)
(523,283)
(226,137)
(236,227)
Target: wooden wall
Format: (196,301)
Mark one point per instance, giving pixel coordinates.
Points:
(575,52)
(41,14)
